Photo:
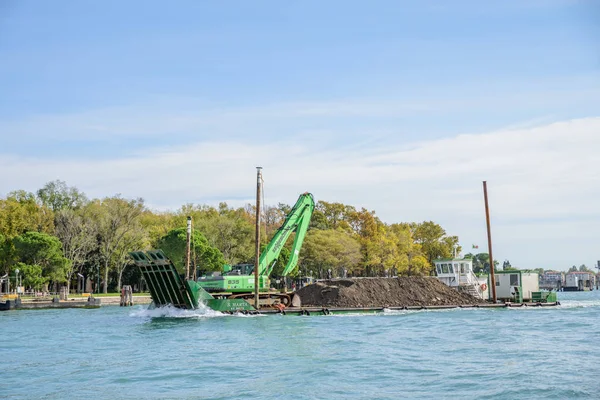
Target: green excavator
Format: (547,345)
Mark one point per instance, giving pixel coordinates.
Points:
(238,281)
(228,290)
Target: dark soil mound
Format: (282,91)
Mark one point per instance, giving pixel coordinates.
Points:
(382,292)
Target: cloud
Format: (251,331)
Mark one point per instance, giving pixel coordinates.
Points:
(193,118)
(544,181)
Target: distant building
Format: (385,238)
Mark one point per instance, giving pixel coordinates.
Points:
(578,281)
(552,280)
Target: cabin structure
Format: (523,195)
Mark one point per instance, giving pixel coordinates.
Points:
(458,273)
(516,286)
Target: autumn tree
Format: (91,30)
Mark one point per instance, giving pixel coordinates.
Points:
(330,249)
(434,242)
(20,212)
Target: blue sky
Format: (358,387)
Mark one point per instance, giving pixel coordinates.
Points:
(402,107)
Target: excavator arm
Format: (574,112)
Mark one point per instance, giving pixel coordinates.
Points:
(296,221)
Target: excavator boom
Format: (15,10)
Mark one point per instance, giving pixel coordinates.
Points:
(297,221)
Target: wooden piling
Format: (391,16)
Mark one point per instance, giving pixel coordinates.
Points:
(489,236)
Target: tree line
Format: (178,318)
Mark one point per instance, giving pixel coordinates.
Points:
(57,233)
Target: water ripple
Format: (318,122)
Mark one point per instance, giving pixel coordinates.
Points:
(115,352)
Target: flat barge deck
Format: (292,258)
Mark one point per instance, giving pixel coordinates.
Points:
(374,310)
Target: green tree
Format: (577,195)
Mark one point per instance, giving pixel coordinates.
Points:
(481,263)
(41,249)
(336,215)
(157,224)
(203,255)
(32,275)
(56,195)
(506,266)
(584,268)
(229,230)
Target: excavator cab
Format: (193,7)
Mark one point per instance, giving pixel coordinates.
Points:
(240,269)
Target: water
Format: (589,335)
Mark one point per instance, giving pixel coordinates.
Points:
(114,353)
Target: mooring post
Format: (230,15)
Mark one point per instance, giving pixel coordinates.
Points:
(257,249)
(188,246)
(489,235)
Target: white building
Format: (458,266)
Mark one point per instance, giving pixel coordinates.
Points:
(458,273)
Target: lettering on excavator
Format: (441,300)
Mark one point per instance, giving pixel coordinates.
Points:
(279,243)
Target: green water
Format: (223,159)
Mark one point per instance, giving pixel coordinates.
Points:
(131,353)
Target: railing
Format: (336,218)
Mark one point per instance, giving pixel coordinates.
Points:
(470,279)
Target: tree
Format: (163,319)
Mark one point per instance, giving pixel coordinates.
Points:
(19,213)
(336,215)
(371,235)
(481,263)
(573,269)
(43,250)
(157,224)
(135,239)
(229,230)
(583,268)
(330,249)
(411,259)
(434,242)
(203,255)
(114,218)
(506,266)
(77,233)
(418,264)
(56,195)
(32,275)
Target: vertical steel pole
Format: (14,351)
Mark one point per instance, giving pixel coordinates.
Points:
(489,235)
(257,249)
(187,243)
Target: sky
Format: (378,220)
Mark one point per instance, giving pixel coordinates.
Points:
(400,107)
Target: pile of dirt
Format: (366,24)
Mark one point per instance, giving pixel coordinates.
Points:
(383,292)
